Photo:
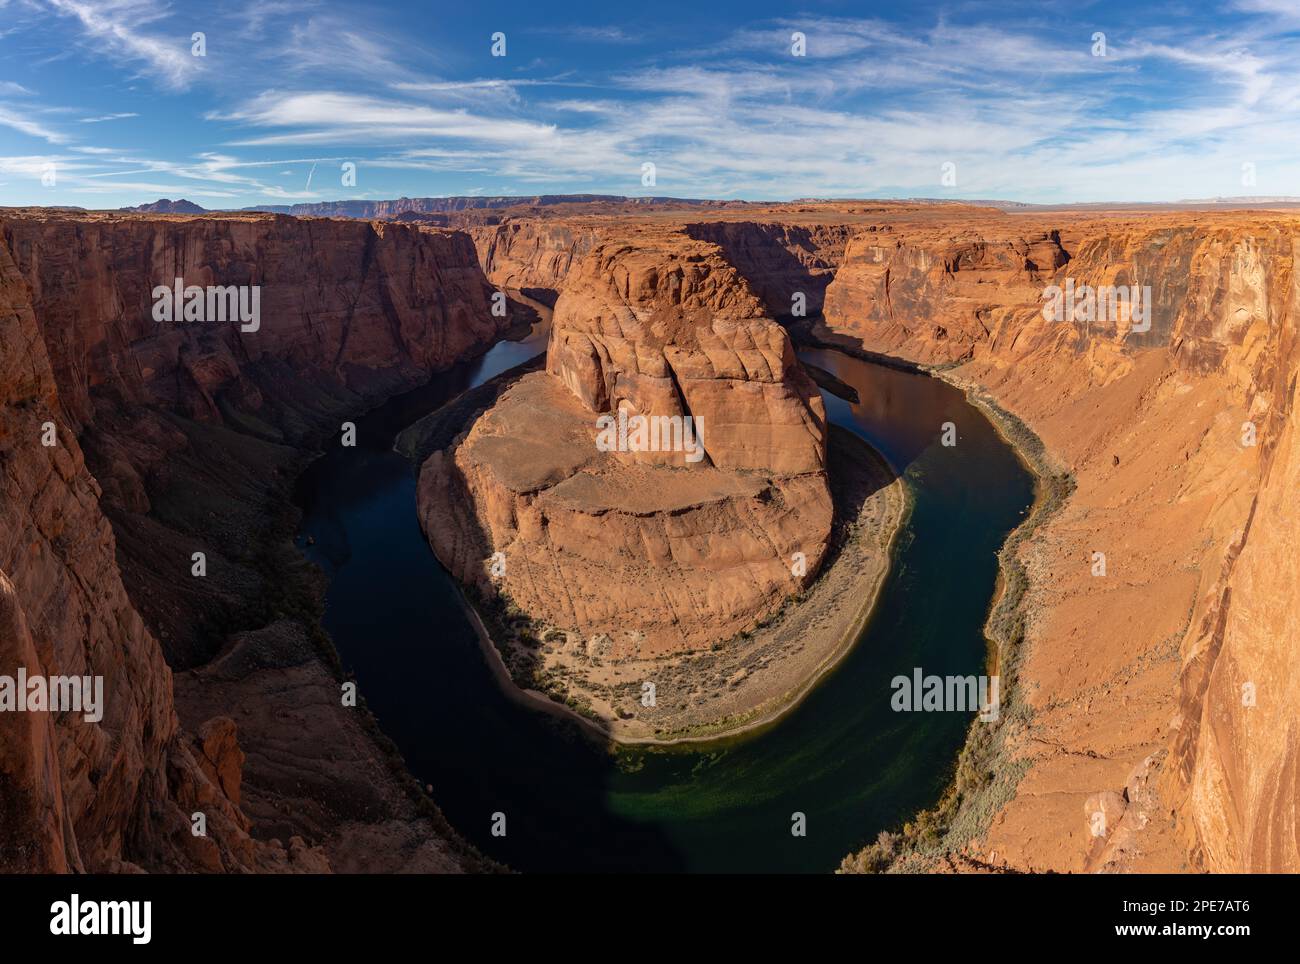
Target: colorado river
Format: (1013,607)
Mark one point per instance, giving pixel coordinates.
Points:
(843,757)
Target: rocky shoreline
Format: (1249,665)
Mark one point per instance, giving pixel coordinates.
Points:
(936,839)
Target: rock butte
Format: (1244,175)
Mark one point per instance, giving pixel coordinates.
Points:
(1133,682)
(659,554)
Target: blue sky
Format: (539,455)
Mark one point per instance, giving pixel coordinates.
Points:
(103,103)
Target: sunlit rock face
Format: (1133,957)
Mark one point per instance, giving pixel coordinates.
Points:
(1170,680)
(666,549)
(667,327)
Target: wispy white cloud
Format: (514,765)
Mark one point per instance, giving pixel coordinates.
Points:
(118,28)
(329,45)
(1285,10)
(23,123)
(588,33)
(336,117)
(585,106)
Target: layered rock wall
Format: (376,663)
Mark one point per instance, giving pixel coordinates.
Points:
(533,256)
(1180,441)
(189,417)
(372,306)
(84,795)
(933,298)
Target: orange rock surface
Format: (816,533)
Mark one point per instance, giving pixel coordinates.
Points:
(1180,442)
(657,550)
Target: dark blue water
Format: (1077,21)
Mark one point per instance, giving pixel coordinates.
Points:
(843,757)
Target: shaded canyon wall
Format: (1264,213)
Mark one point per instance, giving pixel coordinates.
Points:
(184,435)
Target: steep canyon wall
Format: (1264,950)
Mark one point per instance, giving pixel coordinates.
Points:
(185,435)
(1164,687)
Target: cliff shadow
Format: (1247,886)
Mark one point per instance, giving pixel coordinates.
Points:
(856,472)
(769,267)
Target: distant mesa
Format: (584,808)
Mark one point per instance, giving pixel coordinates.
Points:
(480,209)
(424,217)
(168,206)
(406,207)
(1246,199)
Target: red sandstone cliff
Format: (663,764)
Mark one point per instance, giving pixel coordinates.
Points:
(1133,681)
(669,328)
(781,261)
(533,256)
(350,312)
(372,307)
(81,795)
(777,259)
(933,298)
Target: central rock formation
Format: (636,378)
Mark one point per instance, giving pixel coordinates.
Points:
(670,328)
(643,553)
